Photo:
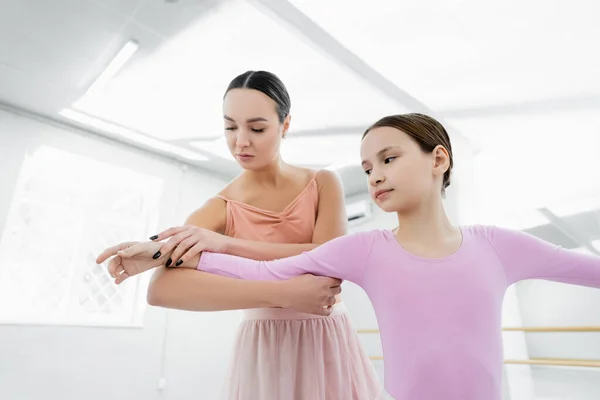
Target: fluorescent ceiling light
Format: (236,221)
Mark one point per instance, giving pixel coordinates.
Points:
(130,135)
(114,66)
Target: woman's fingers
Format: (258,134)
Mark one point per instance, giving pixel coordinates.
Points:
(181,249)
(168,233)
(191,253)
(324,311)
(174,242)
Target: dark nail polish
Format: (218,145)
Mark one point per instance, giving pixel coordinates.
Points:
(156,255)
(169,261)
(179,263)
(154,237)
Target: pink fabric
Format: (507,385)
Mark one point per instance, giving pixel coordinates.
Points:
(440,319)
(294,224)
(284,355)
(281,354)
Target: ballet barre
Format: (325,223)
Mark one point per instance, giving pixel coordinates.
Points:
(528,329)
(551,362)
(533,329)
(557,362)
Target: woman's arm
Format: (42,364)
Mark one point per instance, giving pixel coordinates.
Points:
(345,257)
(331,223)
(192,290)
(198,291)
(525,256)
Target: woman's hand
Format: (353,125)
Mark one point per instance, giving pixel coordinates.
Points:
(130,259)
(310,294)
(188,241)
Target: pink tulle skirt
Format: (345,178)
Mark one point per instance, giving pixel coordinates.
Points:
(281,354)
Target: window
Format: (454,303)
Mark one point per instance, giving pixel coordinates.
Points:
(65,210)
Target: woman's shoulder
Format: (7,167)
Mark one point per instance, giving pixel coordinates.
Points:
(231,190)
(325,178)
(303,174)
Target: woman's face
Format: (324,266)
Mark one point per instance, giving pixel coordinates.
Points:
(252,127)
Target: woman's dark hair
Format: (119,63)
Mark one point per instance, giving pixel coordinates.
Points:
(267,83)
(425,130)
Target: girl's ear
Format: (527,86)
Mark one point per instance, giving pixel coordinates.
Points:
(441,159)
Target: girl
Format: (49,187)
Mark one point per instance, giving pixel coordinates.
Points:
(272,210)
(437,289)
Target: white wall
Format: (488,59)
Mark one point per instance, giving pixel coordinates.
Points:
(98,363)
(545,303)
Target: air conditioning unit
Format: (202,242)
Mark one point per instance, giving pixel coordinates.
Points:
(359,212)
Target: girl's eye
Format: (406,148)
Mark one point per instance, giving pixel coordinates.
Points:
(368,172)
(389,159)
(258,130)
(230,128)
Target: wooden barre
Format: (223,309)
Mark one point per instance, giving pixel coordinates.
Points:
(528,329)
(555,362)
(558,362)
(553,329)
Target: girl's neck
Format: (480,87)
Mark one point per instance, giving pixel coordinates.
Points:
(426,224)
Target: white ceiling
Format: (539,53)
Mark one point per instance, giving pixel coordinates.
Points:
(496,72)
(472,53)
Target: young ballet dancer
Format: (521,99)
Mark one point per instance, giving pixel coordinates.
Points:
(272,210)
(437,289)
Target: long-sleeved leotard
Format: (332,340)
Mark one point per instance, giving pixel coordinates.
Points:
(440,319)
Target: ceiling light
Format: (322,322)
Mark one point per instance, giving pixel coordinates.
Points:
(114,66)
(130,135)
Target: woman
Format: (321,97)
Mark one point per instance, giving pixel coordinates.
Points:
(272,210)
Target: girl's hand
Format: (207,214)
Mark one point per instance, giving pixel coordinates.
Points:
(133,260)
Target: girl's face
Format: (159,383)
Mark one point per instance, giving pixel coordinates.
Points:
(400,175)
(252,127)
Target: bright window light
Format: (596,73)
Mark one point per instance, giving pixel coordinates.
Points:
(130,135)
(45,279)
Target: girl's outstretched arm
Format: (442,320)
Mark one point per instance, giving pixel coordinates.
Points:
(525,256)
(345,258)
